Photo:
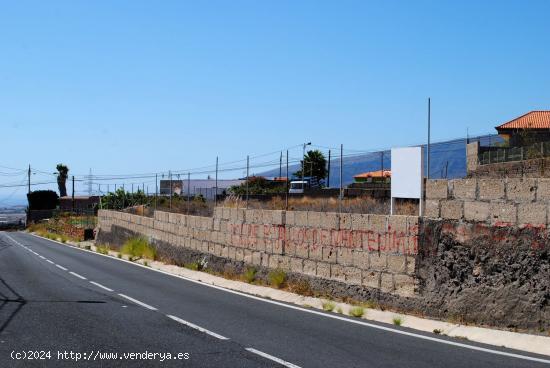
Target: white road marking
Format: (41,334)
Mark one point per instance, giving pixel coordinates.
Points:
(77,275)
(271,357)
(42,257)
(138,302)
(49,261)
(101,286)
(319,313)
(63,268)
(199,328)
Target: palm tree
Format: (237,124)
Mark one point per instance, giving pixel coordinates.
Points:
(62,175)
(315,167)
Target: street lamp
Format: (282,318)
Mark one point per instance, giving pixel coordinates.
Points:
(303,163)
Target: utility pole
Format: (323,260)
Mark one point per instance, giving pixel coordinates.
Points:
(287,182)
(156,189)
(170,176)
(303,165)
(341,180)
(429,127)
(188,191)
(216,187)
(29,179)
(281,165)
(382,164)
(73,193)
(328,171)
(247,171)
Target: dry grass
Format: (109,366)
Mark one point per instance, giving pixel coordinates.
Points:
(194,207)
(349,205)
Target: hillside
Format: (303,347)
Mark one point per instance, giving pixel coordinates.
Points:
(449,153)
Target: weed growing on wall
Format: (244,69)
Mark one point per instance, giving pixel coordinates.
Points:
(139,248)
(276,278)
(249,274)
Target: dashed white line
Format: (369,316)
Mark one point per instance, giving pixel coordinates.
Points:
(100,286)
(42,257)
(273,358)
(61,267)
(138,302)
(199,328)
(49,261)
(77,275)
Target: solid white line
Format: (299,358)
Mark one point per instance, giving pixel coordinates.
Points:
(323,314)
(101,286)
(77,275)
(192,325)
(63,268)
(49,261)
(138,302)
(271,357)
(42,257)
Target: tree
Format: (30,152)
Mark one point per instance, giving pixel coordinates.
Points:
(315,166)
(42,200)
(62,175)
(120,199)
(258,185)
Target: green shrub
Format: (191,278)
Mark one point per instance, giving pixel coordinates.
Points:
(103,249)
(192,266)
(249,274)
(140,248)
(437,331)
(339,310)
(277,278)
(328,306)
(357,311)
(397,320)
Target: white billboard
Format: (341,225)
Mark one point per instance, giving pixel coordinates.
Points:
(407,171)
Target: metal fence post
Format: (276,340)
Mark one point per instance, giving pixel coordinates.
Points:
(522,153)
(247,173)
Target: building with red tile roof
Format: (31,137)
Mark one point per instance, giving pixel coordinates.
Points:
(528,128)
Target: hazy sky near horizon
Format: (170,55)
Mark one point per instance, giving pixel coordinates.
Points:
(139,87)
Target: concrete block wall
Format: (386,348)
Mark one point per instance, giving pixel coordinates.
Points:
(498,202)
(377,251)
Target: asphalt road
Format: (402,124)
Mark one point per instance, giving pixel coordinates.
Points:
(57,299)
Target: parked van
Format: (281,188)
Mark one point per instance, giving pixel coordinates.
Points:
(298,186)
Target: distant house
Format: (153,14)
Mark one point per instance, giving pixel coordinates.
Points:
(527,129)
(80,203)
(373,176)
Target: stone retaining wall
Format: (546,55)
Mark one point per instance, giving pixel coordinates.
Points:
(371,250)
(499,202)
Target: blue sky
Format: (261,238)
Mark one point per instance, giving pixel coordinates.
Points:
(138,87)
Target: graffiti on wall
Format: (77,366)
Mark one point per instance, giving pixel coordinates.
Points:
(391,241)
